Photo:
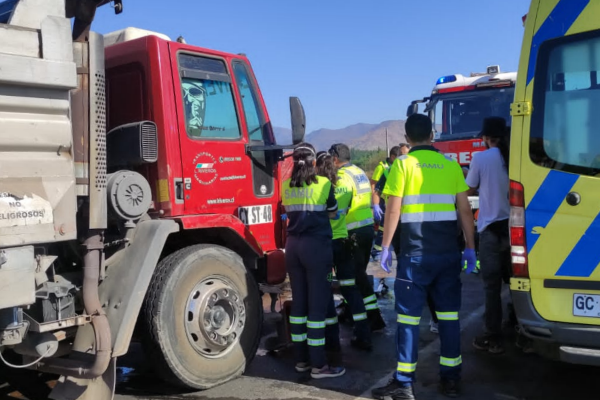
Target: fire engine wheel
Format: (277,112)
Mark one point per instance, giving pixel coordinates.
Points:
(202,317)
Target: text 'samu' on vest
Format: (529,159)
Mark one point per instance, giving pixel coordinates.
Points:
(299,193)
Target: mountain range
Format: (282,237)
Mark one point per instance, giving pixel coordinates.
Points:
(359,136)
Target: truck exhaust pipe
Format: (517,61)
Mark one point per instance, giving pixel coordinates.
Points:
(91,274)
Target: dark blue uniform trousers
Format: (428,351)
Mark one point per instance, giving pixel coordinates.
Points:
(440,275)
(346,276)
(309,261)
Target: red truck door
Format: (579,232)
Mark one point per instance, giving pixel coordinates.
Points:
(219,114)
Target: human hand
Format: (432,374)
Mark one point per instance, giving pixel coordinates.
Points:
(470,259)
(377,212)
(284,217)
(338,214)
(386,259)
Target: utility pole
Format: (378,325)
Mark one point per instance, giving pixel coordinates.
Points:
(387,145)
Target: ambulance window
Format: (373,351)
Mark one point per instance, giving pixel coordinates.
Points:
(250,102)
(565,126)
(208,101)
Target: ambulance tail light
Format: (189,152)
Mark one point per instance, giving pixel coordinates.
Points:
(518,245)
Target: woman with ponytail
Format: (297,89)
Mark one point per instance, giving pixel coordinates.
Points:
(489,174)
(309,202)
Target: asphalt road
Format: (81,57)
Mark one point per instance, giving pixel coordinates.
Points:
(514,375)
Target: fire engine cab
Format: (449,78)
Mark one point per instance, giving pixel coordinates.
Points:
(458,105)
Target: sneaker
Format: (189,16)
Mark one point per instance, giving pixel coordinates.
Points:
(524,343)
(394,390)
(433,326)
(490,344)
(303,367)
(327,372)
(449,388)
(361,344)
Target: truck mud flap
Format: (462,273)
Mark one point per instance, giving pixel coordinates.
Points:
(127,280)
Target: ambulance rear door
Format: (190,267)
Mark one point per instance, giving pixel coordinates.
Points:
(557,120)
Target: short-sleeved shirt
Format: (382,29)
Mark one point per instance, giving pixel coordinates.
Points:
(308,208)
(380,170)
(487,171)
(428,183)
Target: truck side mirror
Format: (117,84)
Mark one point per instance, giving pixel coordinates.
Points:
(298,120)
(412,109)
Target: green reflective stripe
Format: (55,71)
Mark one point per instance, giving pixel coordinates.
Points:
(447,316)
(305,207)
(407,367)
(408,320)
(347,282)
(299,338)
(359,317)
(428,199)
(377,247)
(331,321)
(381,228)
(316,342)
(298,320)
(431,216)
(371,306)
(360,224)
(370,299)
(451,362)
(315,324)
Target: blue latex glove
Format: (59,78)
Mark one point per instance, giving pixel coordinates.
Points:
(470,259)
(377,212)
(386,259)
(284,217)
(338,214)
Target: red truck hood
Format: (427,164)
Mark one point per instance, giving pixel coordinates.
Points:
(461,150)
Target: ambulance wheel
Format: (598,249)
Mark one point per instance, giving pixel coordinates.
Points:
(202,317)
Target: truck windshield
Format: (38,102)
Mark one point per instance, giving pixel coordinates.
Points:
(460,115)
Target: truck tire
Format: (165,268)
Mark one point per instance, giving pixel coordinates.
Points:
(202,317)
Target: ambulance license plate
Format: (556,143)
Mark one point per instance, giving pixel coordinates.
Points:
(255,215)
(586,305)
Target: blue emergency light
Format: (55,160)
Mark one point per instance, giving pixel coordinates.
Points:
(446,79)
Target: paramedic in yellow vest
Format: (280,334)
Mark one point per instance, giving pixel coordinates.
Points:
(342,255)
(382,170)
(427,194)
(359,222)
(309,202)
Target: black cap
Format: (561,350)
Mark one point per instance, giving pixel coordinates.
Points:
(494,127)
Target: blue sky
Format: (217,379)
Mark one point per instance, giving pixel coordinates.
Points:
(348,61)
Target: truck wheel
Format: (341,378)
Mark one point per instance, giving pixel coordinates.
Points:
(202,317)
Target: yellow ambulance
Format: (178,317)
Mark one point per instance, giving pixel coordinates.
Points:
(555,179)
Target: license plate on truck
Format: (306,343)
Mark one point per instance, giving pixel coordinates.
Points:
(586,305)
(255,215)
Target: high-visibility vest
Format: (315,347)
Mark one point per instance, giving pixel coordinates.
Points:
(360,213)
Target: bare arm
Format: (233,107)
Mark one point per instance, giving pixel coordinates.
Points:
(376,197)
(465,215)
(392,218)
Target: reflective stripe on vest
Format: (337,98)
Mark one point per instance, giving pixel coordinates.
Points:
(428,208)
(305,207)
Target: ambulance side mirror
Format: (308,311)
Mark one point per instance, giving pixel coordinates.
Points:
(412,109)
(298,120)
